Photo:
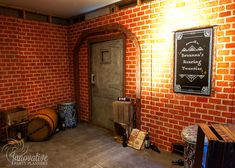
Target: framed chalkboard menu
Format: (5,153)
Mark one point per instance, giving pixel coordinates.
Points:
(193,61)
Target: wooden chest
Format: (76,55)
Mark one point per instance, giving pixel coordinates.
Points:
(221,146)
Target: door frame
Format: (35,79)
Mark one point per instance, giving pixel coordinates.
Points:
(104,38)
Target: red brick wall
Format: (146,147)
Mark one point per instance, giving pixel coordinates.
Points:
(35,68)
(164,112)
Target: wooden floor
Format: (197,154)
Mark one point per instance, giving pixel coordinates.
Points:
(88,146)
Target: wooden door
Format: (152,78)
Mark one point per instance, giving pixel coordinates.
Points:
(107,76)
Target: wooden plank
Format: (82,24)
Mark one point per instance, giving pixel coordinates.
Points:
(121,113)
(199,148)
(214,159)
(228,155)
(230,132)
(24,14)
(231,127)
(126,117)
(115,111)
(224,132)
(215,148)
(209,134)
(49,19)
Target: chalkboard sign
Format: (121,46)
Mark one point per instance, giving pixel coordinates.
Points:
(193,60)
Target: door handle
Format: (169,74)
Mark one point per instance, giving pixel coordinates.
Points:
(93,79)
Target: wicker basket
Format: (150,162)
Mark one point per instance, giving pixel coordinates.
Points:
(15,116)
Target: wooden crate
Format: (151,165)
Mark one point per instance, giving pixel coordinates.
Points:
(15,116)
(3,128)
(14,129)
(3,133)
(221,146)
(123,114)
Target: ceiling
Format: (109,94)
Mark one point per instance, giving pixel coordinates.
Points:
(60,8)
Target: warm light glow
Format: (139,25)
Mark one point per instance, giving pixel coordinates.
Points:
(179,18)
(165,22)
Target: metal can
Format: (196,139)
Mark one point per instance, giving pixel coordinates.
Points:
(68,114)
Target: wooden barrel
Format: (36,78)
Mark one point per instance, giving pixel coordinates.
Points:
(42,124)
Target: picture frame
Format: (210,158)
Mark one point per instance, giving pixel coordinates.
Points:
(193,51)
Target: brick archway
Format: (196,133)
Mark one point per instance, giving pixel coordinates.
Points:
(110,28)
